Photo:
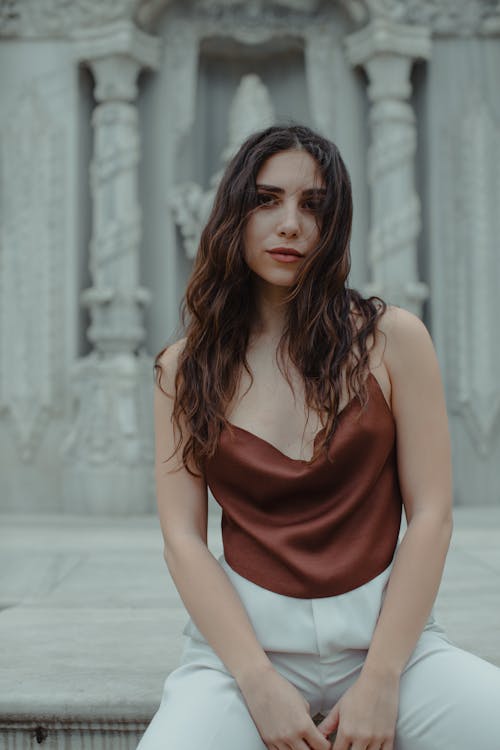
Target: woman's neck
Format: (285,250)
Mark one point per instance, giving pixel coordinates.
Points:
(270,311)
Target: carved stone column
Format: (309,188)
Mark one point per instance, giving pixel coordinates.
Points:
(387,50)
(108,454)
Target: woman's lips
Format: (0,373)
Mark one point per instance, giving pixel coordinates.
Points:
(284,257)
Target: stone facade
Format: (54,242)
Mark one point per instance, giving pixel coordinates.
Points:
(116,120)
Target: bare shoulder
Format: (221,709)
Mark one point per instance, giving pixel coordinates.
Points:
(412,365)
(168,363)
(164,402)
(171,353)
(407,339)
(396,322)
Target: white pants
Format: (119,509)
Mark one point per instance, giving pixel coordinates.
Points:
(449,698)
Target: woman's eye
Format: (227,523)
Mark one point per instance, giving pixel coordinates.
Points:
(264,199)
(313,205)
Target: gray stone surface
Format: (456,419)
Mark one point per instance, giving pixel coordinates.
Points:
(91,623)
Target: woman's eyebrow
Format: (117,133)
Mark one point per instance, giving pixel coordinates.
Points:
(275,189)
(271,188)
(315,191)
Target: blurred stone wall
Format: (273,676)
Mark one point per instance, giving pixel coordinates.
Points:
(116,119)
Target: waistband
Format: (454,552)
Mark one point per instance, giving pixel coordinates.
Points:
(319,626)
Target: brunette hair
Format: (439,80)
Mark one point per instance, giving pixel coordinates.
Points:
(319,332)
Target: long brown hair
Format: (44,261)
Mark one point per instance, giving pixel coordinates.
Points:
(319,332)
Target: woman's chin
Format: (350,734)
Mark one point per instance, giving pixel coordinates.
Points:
(284,280)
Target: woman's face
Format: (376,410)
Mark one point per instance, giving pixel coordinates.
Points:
(290,191)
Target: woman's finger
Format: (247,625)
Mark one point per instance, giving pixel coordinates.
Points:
(381,745)
(315,740)
(331,721)
(299,745)
(341,742)
(361,745)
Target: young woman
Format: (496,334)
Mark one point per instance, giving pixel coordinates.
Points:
(314,415)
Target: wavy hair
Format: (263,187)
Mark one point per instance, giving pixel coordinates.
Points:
(218,311)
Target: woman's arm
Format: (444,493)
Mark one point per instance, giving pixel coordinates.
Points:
(205,589)
(279,711)
(424,467)
(425,475)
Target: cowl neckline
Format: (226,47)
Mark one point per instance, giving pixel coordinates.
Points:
(371,382)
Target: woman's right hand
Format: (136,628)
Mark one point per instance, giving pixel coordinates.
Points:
(280,712)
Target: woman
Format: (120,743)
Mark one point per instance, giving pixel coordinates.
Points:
(314,415)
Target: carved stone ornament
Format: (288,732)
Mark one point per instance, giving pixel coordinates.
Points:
(107,452)
(445,17)
(387,49)
(355,9)
(251,110)
(258,7)
(258,21)
(35,18)
(149,11)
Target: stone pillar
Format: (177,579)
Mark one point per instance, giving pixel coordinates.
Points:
(387,50)
(108,454)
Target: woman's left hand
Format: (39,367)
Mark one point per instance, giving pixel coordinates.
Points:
(365,717)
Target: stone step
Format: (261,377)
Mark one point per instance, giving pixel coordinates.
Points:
(91,623)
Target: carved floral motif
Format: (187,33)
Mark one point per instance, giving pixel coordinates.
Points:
(251,110)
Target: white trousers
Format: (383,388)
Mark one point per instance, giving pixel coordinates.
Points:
(449,698)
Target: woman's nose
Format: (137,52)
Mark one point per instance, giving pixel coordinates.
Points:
(289,224)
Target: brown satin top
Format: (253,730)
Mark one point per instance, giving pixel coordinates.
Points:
(311,530)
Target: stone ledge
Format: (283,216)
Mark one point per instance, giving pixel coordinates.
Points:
(70,735)
(95,625)
(86,665)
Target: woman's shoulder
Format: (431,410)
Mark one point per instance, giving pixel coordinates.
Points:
(397,326)
(401,326)
(407,341)
(169,356)
(168,361)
